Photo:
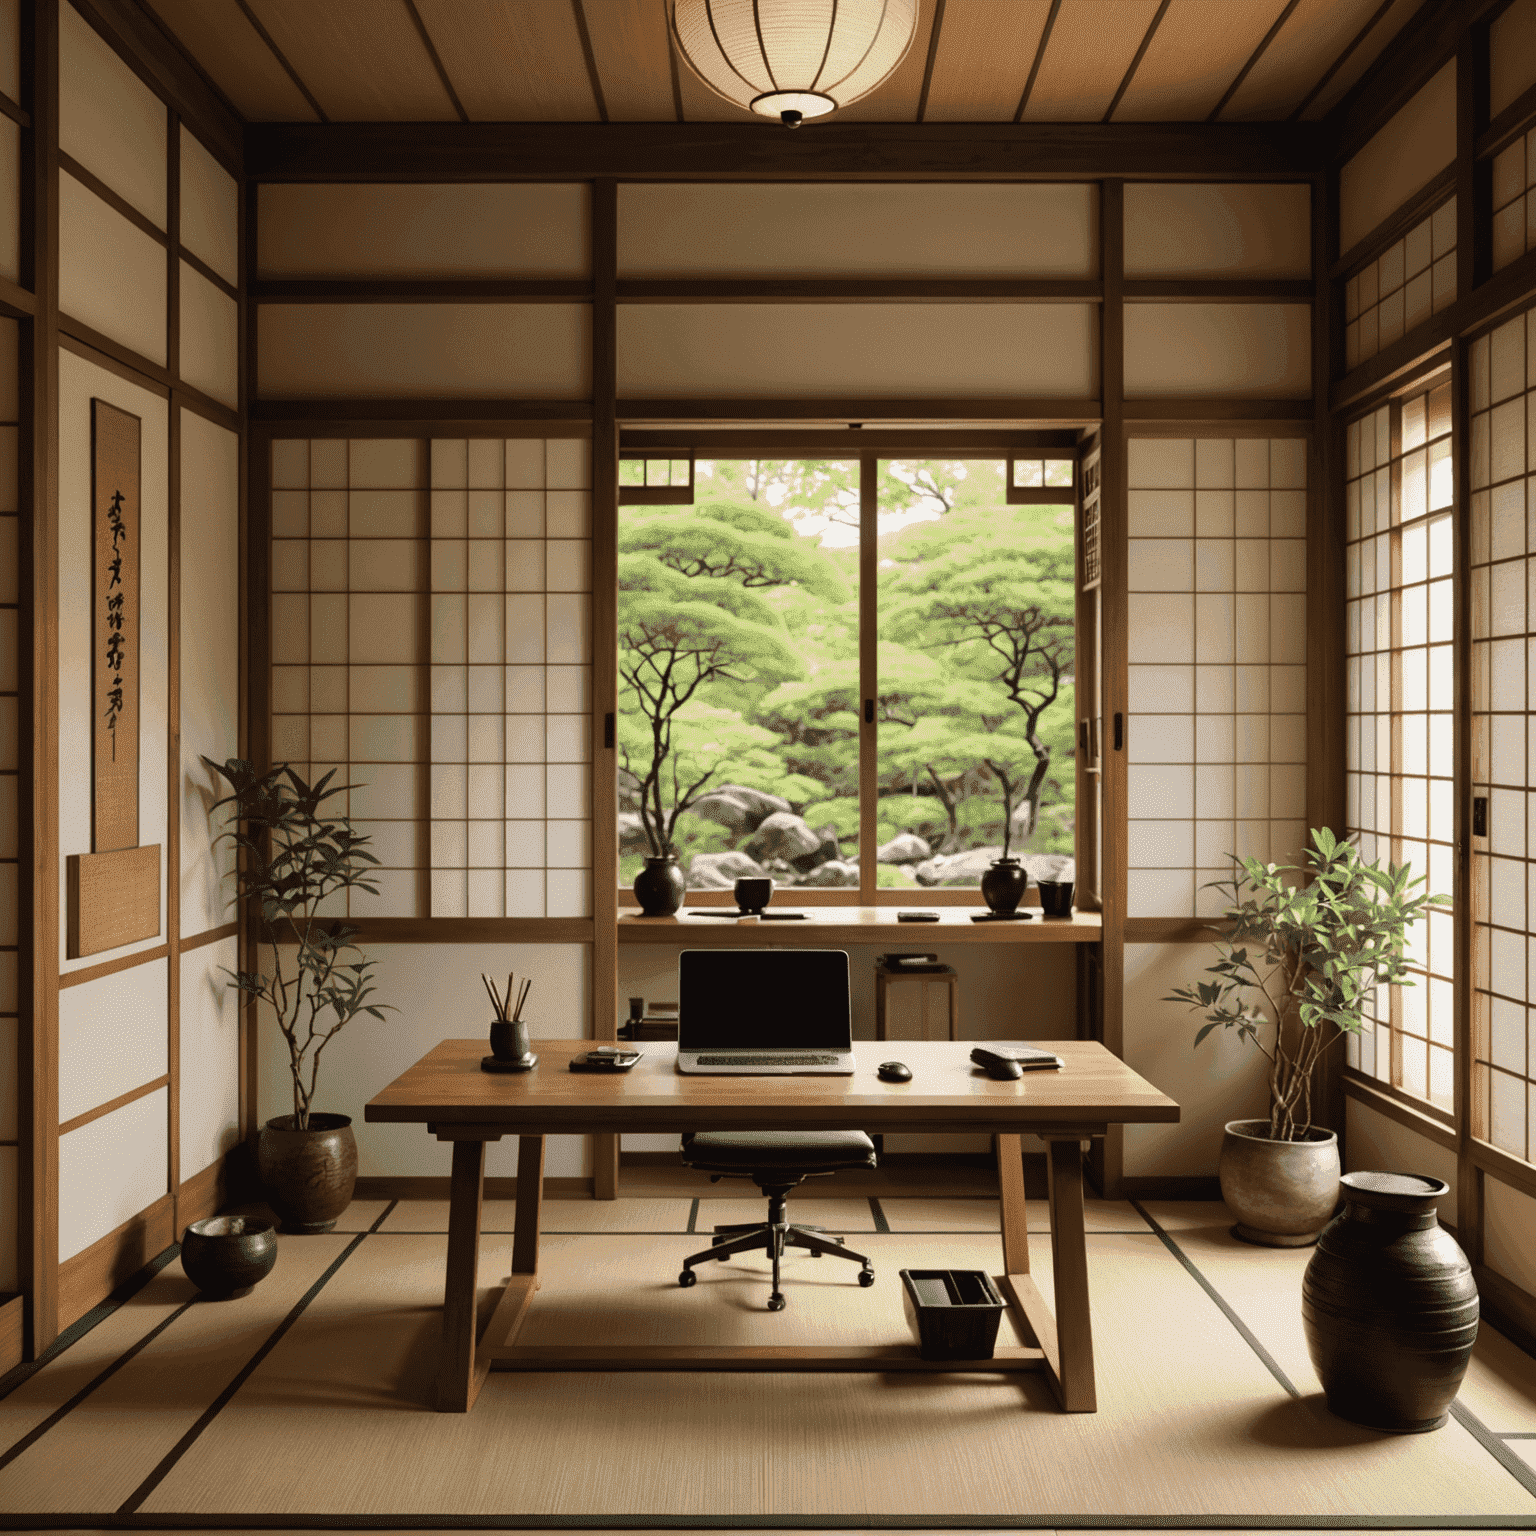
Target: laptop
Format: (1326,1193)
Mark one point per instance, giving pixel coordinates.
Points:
(764,1012)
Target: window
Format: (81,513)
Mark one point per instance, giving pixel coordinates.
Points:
(1400,730)
(1411,280)
(754,655)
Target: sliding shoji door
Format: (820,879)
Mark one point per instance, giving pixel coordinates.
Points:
(1502,446)
(1400,728)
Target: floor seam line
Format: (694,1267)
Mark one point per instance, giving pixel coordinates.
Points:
(35,1434)
(693,1218)
(167,1463)
(875,1210)
(1501,1453)
(1210,1290)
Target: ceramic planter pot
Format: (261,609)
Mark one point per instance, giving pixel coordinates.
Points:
(1003,885)
(660,887)
(308,1176)
(225,1256)
(1389,1305)
(1283,1193)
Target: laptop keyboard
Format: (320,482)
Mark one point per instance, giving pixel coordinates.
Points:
(765,1059)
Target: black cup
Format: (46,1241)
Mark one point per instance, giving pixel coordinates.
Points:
(1056,897)
(754,892)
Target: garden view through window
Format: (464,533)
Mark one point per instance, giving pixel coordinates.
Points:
(744,677)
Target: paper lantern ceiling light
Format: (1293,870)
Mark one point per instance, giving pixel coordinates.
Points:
(792,59)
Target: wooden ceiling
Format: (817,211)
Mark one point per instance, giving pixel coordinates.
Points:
(991,61)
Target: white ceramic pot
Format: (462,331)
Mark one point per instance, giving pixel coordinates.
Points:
(1283,1193)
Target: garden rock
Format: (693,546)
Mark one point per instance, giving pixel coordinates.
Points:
(904,848)
(1051,866)
(783,835)
(835,872)
(720,871)
(738,809)
(632,838)
(826,849)
(957,868)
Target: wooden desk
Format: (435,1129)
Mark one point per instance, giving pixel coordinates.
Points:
(447,1092)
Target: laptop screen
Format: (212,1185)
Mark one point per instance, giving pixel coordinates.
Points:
(763,999)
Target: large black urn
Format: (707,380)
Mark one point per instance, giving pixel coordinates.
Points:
(1389,1305)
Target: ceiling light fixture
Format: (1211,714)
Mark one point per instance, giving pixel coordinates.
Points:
(792,59)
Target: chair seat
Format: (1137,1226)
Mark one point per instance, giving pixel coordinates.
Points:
(793,1151)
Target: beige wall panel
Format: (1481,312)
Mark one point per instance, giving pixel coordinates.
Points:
(112,1037)
(111,1170)
(437,990)
(1085,61)
(210,338)
(1373,1143)
(10,200)
(514,64)
(363,61)
(969,83)
(111,274)
(1511,55)
(526,229)
(1224,1080)
(109,120)
(10,49)
(79,382)
(1263,350)
(1414,147)
(881,350)
(1509,1233)
(1189,229)
(210,1056)
(220,36)
(1196,53)
(210,209)
(458,351)
(210,661)
(873,229)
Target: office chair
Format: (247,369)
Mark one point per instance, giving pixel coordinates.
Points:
(776,1161)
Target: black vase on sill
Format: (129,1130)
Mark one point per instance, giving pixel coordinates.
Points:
(660,886)
(1003,886)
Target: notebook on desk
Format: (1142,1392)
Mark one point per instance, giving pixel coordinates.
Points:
(764,1012)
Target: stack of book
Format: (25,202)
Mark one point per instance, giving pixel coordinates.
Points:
(655,1021)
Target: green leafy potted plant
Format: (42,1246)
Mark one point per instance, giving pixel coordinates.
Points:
(293,857)
(1302,950)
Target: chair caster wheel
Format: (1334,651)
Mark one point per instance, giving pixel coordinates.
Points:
(776,1303)
(866,1278)
(687,1278)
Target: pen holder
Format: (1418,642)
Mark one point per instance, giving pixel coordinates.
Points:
(509,1045)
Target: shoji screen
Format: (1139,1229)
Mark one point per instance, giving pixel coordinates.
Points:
(1218,677)
(1503,452)
(1399,726)
(429,641)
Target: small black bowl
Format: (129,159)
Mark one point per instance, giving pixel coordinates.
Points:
(224,1256)
(1056,897)
(754,892)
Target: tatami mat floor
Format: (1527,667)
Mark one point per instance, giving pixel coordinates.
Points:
(305,1405)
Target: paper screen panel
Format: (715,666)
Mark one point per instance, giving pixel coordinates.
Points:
(1511,55)
(1213,350)
(431,640)
(110,1170)
(210,209)
(1216,739)
(1399,729)
(1397,291)
(1503,430)
(111,274)
(1514,201)
(1212,229)
(10,622)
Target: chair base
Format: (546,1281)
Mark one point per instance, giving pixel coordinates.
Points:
(773,1237)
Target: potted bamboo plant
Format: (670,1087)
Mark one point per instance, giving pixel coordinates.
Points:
(294,856)
(1302,950)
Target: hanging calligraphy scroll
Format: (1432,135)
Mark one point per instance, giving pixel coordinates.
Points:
(113,892)
(115,629)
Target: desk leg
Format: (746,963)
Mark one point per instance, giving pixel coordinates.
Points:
(605,1166)
(1069,1254)
(1015,1218)
(458,1383)
(530,1197)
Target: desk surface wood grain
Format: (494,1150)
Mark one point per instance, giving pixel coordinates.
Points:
(447,1089)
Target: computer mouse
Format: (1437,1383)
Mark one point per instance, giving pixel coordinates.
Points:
(1005,1071)
(894,1072)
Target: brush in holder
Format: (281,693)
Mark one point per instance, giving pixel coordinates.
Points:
(509,1047)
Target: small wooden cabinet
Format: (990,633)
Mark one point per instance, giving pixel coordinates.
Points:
(916,1005)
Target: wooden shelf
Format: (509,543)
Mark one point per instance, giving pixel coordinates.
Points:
(857,925)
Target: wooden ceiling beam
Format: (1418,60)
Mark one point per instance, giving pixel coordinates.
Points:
(449,152)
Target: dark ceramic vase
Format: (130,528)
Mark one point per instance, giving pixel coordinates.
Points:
(225,1256)
(509,1041)
(1004,884)
(1389,1305)
(660,886)
(308,1176)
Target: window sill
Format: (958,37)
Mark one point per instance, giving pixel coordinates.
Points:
(857,925)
